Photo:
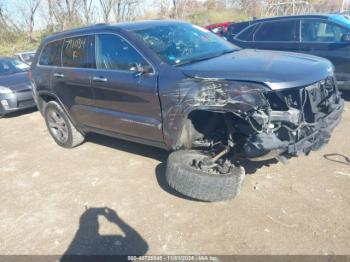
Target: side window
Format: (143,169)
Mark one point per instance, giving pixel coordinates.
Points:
(247,34)
(51,54)
(75,52)
(236,28)
(114,53)
(277,31)
(318,31)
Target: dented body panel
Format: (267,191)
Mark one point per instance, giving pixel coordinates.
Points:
(269,103)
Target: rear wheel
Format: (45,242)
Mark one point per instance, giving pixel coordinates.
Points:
(185,175)
(60,127)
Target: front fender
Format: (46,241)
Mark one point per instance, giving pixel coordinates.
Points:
(208,95)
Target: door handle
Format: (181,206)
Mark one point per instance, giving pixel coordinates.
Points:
(58,75)
(99,79)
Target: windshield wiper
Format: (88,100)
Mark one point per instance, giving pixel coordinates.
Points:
(191,61)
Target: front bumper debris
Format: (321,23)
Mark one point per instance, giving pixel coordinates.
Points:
(321,136)
(304,123)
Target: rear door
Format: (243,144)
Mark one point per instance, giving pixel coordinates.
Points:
(71,81)
(126,100)
(49,60)
(324,38)
(280,35)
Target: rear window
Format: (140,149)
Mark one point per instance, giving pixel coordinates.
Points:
(277,31)
(75,52)
(51,55)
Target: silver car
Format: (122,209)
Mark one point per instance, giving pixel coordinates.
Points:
(15,87)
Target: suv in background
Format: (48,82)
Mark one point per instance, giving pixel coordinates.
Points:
(326,36)
(179,87)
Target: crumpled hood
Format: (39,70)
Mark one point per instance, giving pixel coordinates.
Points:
(17,81)
(275,69)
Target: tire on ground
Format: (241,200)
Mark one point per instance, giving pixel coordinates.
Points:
(198,184)
(75,138)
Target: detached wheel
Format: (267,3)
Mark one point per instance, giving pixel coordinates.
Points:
(60,127)
(191,181)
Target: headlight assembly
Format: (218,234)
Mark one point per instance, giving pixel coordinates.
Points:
(5,90)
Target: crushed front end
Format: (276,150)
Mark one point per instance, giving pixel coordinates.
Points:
(298,121)
(233,120)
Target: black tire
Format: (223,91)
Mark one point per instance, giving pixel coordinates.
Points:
(72,137)
(200,185)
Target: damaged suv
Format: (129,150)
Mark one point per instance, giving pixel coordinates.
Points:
(177,86)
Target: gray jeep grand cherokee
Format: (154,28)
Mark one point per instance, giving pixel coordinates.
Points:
(177,86)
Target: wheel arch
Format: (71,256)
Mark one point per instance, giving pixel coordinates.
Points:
(45,97)
(199,122)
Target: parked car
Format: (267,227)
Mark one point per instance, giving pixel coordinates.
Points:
(15,87)
(179,87)
(26,57)
(220,28)
(326,36)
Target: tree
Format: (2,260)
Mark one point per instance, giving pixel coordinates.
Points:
(64,13)
(28,11)
(87,11)
(106,6)
(126,10)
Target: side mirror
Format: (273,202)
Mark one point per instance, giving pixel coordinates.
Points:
(141,69)
(346,38)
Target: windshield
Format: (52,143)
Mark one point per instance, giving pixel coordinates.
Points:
(11,66)
(183,43)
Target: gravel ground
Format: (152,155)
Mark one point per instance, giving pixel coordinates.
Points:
(110,196)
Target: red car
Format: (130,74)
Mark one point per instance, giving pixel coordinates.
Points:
(220,28)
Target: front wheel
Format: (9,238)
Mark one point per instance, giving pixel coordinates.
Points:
(184,175)
(60,127)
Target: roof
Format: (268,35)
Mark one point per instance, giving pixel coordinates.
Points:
(128,26)
(319,16)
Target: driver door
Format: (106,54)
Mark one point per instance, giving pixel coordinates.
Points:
(126,100)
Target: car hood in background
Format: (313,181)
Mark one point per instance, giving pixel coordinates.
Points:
(273,68)
(16,82)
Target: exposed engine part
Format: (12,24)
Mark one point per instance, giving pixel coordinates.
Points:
(263,146)
(260,125)
(221,154)
(282,159)
(291,116)
(210,166)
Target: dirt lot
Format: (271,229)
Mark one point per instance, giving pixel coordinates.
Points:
(110,196)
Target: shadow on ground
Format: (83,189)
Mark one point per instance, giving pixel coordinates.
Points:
(129,147)
(162,156)
(21,112)
(89,245)
(346,95)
